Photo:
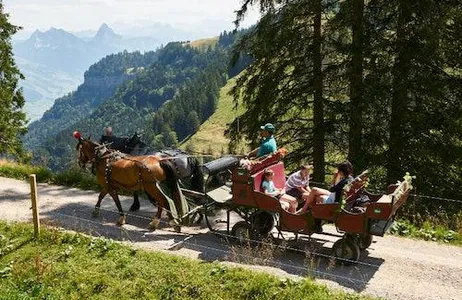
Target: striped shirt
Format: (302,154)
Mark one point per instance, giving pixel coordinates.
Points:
(296,180)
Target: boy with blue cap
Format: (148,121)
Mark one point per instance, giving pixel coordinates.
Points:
(268,143)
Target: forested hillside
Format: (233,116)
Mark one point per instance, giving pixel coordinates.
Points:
(165,101)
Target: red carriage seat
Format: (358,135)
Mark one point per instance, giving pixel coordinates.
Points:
(261,200)
(279,178)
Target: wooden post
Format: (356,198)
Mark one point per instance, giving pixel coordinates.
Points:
(34,200)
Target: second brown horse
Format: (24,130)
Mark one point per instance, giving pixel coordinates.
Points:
(116,171)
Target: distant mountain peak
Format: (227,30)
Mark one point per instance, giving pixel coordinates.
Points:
(105,34)
(104,26)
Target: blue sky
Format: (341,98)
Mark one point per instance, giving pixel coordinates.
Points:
(78,15)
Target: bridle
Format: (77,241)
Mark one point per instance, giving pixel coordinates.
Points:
(84,159)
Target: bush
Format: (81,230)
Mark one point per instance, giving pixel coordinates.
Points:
(75,177)
(21,171)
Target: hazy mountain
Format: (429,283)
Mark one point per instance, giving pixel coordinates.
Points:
(54,61)
(56,49)
(43,85)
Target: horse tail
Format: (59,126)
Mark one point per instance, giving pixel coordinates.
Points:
(171,180)
(197,179)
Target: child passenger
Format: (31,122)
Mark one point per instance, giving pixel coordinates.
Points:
(288,202)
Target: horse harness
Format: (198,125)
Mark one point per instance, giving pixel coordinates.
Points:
(109,158)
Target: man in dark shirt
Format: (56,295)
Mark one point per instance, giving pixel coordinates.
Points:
(106,137)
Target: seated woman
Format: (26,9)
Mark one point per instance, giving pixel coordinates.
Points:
(287,202)
(297,184)
(342,177)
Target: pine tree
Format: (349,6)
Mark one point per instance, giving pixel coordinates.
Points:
(285,84)
(12,118)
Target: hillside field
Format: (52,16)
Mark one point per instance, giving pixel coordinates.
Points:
(210,138)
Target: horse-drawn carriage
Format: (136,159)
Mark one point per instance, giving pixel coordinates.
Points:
(233,188)
(359,216)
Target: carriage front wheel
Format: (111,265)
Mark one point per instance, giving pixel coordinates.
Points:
(346,250)
(242,232)
(365,241)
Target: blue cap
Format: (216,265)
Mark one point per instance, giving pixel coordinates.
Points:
(268,127)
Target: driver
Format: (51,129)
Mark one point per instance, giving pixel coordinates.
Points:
(107,136)
(268,143)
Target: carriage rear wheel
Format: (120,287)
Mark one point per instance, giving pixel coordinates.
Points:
(242,232)
(365,241)
(346,250)
(262,223)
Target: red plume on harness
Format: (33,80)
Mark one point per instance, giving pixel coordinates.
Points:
(77,135)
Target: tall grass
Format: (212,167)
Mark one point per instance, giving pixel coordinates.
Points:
(74,266)
(74,177)
(22,171)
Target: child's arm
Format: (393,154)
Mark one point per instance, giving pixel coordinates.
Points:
(275,193)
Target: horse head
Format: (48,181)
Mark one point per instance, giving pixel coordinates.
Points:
(88,150)
(135,146)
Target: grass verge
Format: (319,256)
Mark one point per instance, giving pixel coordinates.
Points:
(63,265)
(427,231)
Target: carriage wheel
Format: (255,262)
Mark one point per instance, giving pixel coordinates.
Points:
(365,241)
(347,250)
(242,232)
(196,219)
(262,223)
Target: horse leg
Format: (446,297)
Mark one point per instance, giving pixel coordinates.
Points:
(122,218)
(136,202)
(154,224)
(154,193)
(98,204)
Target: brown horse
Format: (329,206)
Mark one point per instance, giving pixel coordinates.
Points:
(115,170)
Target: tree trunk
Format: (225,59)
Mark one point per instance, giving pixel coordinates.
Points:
(356,108)
(318,106)
(400,96)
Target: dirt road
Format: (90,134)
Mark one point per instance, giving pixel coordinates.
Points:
(393,268)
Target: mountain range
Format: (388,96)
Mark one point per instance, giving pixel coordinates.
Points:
(54,61)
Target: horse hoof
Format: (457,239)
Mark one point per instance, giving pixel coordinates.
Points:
(175,226)
(154,224)
(121,221)
(134,208)
(95,213)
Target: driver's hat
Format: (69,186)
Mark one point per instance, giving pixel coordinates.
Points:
(268,127)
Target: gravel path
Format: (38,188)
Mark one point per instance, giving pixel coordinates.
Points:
(393,268)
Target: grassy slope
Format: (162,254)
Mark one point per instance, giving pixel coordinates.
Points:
(210,138)
(204,43)
(74,266)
